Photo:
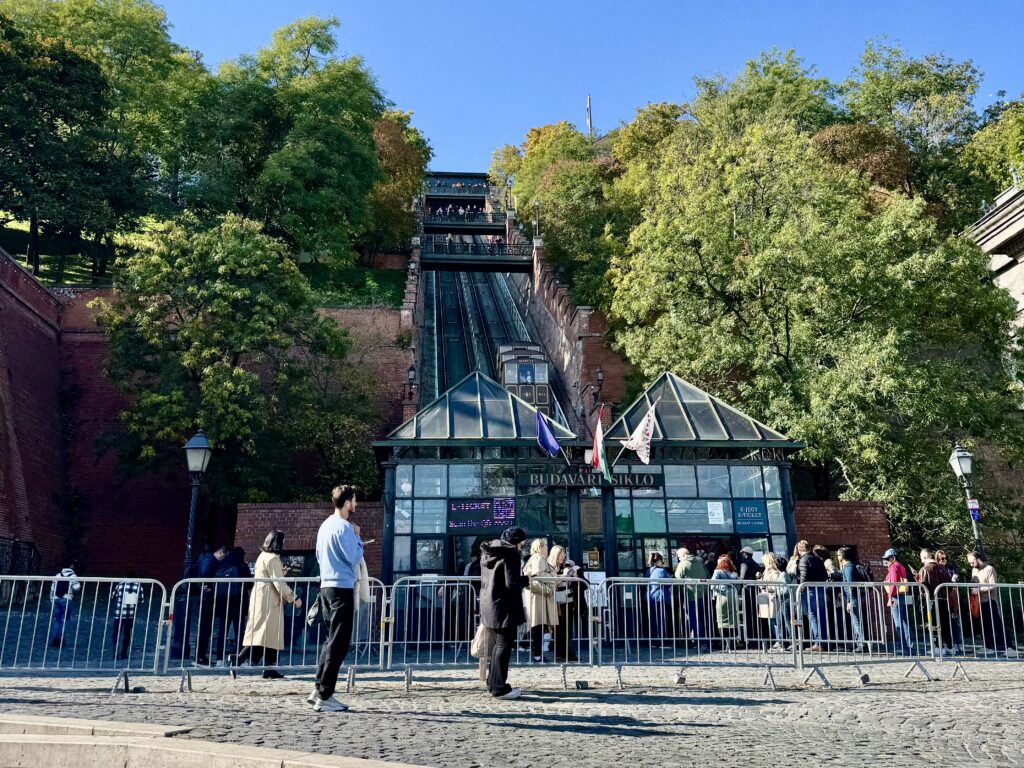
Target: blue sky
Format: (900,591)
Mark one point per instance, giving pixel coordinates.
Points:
(480,74)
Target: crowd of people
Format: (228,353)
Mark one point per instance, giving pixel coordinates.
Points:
(460,213)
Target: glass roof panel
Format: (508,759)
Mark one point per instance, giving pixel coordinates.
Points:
(741,427)
(705,421)
(433,422)
(672,419)
(497,415)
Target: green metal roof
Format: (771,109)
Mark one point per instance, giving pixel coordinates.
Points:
(687,415)
(476,410)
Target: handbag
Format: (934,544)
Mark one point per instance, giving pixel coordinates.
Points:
(975,605)
(483,642)
(562,597)
(763,606)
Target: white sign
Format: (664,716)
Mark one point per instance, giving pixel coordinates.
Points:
(595,595)
(973,504)
(716,513)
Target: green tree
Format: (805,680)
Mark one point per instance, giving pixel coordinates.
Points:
(997,149)
(542,148)
(216,327)
(925,103)
(402,157)
(770,275)
(53,169)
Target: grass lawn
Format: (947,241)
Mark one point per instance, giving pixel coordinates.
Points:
(356,286)
(77,265)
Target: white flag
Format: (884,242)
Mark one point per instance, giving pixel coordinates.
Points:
(640,440)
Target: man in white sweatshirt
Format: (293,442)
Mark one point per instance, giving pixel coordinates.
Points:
(339,551)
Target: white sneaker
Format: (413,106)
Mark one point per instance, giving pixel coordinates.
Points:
(311,699)
(515,693)
(330,705)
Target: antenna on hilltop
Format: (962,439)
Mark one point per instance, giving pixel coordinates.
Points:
(590,120)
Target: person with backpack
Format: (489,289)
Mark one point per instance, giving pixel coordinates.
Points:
(658,598)
(229,606)
(126,597)
(207,568)
(62,594)
(853,573)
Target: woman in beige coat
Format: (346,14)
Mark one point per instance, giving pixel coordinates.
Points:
(539,596)
(264,631)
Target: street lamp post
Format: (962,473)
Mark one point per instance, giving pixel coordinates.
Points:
(961,460)
(197,456)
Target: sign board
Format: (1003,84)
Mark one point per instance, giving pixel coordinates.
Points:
(593,559)
(587,479)
(716,513)
(973,504)
(481,515)
(975,515)
(591,516)
(750,515)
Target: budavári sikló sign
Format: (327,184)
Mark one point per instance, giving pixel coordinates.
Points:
(586,479)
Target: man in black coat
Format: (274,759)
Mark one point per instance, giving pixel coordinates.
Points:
(811,569)
(501,604)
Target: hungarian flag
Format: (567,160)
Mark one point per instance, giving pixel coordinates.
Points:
(640,440)
(599,460)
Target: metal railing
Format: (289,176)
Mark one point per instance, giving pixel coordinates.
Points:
(457,189)
(475,217)
(457,248)
(80,624)
(55,625)
(240,624)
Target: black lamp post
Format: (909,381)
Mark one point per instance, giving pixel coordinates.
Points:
(536,217)
(197,456)
(411,382)
(581,408)
(961,460)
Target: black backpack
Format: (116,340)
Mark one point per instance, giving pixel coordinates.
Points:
(861,572)
(62,588)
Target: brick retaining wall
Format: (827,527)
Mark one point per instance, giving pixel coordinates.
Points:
(837,523)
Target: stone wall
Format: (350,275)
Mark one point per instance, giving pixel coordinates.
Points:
(301,521)
(836,523)
(32,491)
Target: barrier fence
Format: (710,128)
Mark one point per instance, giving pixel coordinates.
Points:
(80,624)
(129,625)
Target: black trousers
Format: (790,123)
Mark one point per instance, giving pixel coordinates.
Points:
(337,606)
(122,637)
(206,606)
(257,655)
(501,654)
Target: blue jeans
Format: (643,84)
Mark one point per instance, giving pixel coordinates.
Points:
(855,623)
(900,625)
(697,613)
(62,613)
(657,610)
(814,608)
(780,622)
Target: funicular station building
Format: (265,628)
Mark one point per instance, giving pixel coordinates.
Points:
(468,463)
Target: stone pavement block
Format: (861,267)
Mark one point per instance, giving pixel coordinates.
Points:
(339,761)
(33,750)
(183,753)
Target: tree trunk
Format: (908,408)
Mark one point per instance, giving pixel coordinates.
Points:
(33,242)
(108,246)
(94,249)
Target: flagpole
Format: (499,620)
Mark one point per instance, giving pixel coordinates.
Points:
(621,451)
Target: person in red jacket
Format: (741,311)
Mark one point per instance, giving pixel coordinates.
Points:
(896,597)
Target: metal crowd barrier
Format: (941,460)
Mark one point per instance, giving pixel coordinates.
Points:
(858,623)
(128,626)
(978,622)
(235,625)
(81,624)
(691,623)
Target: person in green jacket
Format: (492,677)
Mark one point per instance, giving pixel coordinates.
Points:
(697,605)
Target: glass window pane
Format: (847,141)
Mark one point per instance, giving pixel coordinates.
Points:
(403,554)
(626,555)
(772,483)
(746,482)
(706,421)
(776,517)
(403,516)
(648,492)
(541,372)
(431,480)
(532,514)
(428,516)
(621,470)
(623,516)
(713,480)
(464,480)
(499,480)
(430,555)
(680,481)
(649,515)
(699,516)
(403,481)
(654,545)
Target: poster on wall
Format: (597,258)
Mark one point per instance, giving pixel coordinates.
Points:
(481,515)
(716,513)
(750,515)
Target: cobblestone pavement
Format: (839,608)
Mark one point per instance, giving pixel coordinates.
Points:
(717,715)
